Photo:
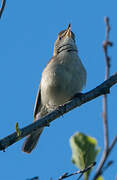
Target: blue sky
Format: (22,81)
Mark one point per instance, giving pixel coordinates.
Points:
(27,33)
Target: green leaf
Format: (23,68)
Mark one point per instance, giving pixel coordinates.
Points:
(17,129)
(84,151)
(100,178)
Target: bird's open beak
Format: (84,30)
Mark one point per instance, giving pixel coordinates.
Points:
(69,30)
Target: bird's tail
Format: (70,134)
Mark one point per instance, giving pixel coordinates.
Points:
(31,141)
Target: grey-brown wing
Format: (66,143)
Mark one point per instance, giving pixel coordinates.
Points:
(37,102)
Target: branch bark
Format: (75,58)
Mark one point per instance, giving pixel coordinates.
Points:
(102,89)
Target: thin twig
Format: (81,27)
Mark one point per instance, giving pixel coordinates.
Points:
(107,73)
(2,7)
(107,166)
(104,158)
(107,149)
(34,178)
(112,144)
(102,89)
(66,175)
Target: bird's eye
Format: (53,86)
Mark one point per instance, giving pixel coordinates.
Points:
(60,38)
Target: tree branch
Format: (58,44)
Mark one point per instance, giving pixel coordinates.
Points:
(103,88)
(2,7)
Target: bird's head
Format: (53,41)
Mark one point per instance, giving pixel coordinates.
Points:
(65,41)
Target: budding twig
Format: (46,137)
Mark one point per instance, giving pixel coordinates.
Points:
(107,148)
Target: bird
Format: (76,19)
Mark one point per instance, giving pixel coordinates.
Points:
(63,77)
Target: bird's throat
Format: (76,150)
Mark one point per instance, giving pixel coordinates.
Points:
(66,47)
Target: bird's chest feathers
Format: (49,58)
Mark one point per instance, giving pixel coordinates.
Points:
(61,72)
(60,79)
